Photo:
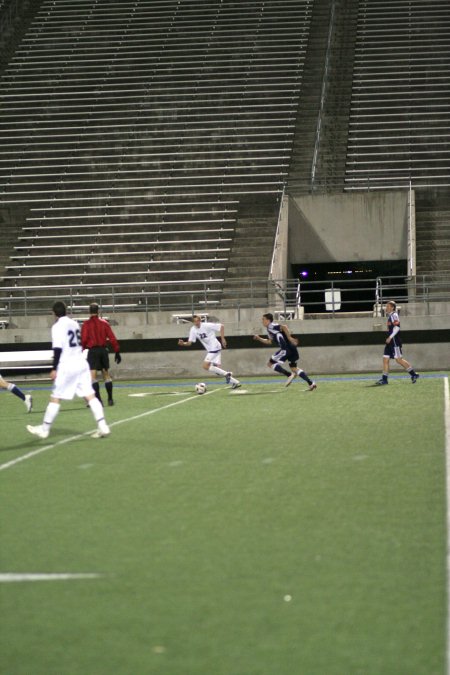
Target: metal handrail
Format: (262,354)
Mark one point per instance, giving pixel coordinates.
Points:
(291,293)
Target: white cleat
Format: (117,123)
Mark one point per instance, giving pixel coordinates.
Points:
(28,402)
(312,386)
(290,379)
(101,432)
(236,385)
(38,431)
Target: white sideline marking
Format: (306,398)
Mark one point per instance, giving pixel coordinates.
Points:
(64,441)
(12,577)
(158,393)
(447,476)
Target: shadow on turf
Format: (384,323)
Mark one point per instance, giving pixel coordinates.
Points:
(32,442)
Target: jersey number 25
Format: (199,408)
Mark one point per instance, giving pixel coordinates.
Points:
(74,338)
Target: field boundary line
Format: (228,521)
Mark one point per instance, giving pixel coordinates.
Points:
(447,485)
(18,577)
(64,441)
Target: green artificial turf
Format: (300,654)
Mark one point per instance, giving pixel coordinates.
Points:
(278,532)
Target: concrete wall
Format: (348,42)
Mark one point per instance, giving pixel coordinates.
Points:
(247,362)
(252,361)
(348,227)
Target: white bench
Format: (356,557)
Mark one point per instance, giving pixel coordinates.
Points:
(289,314)
(26,360)
(187,318)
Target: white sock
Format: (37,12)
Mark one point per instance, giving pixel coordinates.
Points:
(50,414)
(97,409)
(218,371)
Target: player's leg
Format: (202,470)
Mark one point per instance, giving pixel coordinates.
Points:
(106,376)
(212,363)
(95,365)
(99,415)
(301,373)
(108,386)
(64,387)
(216,368)
(96,385)
(275,362)
(51,412)
(388,354)
(385,375)
(85,390)
(408,367)
(14,389)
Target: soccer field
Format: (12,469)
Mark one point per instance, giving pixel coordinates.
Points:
(270,531)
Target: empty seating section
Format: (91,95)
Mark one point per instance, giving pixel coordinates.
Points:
(400,112)
(134,129)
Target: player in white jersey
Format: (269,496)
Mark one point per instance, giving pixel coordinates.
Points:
(205,333)
(71,375)
(14,389)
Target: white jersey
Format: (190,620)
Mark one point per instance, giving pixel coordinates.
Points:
(66,335)
(206,334)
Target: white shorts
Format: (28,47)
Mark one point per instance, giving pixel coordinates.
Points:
(73,378)
(214,357)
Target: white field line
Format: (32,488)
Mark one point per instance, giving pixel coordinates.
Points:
(64,441)
(447,474)
(15,577)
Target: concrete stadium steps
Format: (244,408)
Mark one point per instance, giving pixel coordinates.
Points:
(433,232)
(252,248)
(129,118)
(320,142)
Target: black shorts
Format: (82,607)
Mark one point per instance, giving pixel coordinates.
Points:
(98,358)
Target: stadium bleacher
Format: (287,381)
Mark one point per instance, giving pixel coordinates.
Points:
(399,126)
(399,118)
(139,134)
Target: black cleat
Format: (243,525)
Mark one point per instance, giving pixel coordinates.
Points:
(414,378)
(110,402)
(380,382)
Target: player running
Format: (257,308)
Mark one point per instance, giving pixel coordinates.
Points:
(70,374)
(393,348)
(97,335)
(14,389)
(287,351)
(206,334)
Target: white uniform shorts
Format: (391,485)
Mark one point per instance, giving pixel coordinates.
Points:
(73,378)
(214,357)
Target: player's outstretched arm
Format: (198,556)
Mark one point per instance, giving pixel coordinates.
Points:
(222,336)
(264,341)
(184,343)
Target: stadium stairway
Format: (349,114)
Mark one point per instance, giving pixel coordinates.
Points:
(320,142)
(126,119)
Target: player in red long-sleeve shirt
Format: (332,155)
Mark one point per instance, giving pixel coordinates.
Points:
(97,336)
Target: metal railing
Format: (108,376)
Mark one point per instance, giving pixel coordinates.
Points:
(333,298)
(366,183)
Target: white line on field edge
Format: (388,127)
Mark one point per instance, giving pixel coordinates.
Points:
(447,481)
(64,441)
(15,577)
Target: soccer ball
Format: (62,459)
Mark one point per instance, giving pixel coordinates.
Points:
(200,388)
